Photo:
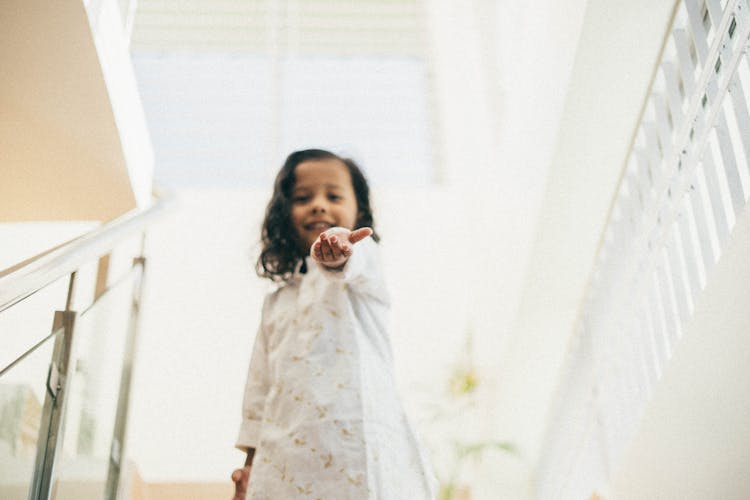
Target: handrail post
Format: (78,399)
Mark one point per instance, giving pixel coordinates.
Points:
(112,489)
(50,427)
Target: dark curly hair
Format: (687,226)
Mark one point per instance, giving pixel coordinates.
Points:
(282,248)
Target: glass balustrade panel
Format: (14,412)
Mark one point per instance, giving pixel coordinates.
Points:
(92,395)
(22,393)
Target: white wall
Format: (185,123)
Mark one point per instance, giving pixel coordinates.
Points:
(112,44)
(608,86)
(502,72)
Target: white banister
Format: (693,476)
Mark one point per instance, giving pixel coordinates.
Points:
(686,181)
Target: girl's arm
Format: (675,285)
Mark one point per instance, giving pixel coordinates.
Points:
(351,257)
(241,477)
(256,388)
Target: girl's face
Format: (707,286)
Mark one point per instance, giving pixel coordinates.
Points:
(322,197)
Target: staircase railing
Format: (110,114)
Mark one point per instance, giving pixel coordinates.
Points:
(686,180)
(64,393)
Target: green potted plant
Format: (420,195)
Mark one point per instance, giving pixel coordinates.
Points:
(461,397)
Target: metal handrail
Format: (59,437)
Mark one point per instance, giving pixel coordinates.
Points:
(26,278)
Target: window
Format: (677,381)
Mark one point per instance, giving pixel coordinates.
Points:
(230,89)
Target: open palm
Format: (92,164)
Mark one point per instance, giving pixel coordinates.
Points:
(334,247)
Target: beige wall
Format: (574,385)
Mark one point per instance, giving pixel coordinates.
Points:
(60,137)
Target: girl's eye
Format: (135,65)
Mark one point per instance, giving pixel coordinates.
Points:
(300,199)
(334,197)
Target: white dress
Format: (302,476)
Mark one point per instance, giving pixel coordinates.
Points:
(320,405)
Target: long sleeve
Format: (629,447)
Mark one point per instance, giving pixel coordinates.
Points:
(256,389)
(362,272)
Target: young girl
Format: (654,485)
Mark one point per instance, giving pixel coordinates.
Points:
(321,417)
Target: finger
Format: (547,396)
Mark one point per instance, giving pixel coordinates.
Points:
(317,251)
(359,234)
(325,248)
(346,250)
(336,249)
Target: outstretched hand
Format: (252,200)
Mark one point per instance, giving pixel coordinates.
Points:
(334,247)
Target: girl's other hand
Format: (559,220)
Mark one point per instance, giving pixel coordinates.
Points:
(334,247)
(240,477)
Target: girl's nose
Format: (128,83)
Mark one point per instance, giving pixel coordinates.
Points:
(319,205)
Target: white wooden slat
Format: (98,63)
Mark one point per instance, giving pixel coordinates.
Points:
(645,373)
(690,253)
(634,211)
(649,344)
(708,76)
(715,10)
(618,224)
(640,340)
(654,333)
(729,160)
(724,175)
(695,241)
(663,127)
(675,289)
(643,183)
(695,16)
(705,229)
(657,320)
(742,115)
(669,292)
(718,208)
(685,64)
(652,178)
(664,311)
(635,365)
(671,79)
(677,280)
(653,153)
(742,18)
(629,205)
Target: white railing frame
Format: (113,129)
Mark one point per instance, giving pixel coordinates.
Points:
(686,178)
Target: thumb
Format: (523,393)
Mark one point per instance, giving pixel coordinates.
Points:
(359,234)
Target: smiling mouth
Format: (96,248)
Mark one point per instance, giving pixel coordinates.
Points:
(318,226)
